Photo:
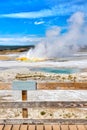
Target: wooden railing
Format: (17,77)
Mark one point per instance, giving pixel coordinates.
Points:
(24,87)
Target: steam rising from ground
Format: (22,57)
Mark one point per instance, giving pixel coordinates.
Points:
(57,44)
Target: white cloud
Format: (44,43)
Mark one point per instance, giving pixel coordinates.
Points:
(58,10)
(13,40)
(37,23)
(34,14)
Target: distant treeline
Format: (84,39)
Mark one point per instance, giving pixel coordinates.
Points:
(15,47)
(83,49)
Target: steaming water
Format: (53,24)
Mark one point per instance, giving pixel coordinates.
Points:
(56,44)
(56,70)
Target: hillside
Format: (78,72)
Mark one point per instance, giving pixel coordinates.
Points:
(14,49)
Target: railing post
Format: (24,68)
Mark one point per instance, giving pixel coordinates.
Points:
(24,86)
(24,95)
(24,98)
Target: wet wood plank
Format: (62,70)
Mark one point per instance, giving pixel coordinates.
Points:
(72,127)
(7,127)
(64,127)
(81,127)
(16,127)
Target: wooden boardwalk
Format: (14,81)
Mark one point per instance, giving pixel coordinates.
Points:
(51,85)
(43,127)
(41,124)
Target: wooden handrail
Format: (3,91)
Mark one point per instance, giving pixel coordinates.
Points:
(49,85)
(43,121)
(44,104)
(24,104)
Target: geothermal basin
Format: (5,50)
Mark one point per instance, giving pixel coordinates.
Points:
(56,70)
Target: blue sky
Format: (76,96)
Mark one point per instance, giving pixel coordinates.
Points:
(24,22)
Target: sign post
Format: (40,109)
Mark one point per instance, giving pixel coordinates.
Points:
(24,86)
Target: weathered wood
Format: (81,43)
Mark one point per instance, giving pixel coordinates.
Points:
(43,121)
(61,86)
(81,127)
(24,112)
(7,127)
(24,95)
(1,127)
(85,126)
(47,127)
(64,127)
(55,127)
(5,86)
(43,127)
(16,127)
(31,127)
(72,127)
(39,127)
(24,127)
(47,104)
(50,85)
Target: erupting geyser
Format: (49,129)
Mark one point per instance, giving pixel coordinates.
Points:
(58,43)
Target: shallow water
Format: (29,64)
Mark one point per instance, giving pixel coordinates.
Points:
(56,70)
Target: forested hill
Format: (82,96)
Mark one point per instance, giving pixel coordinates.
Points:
(14,49)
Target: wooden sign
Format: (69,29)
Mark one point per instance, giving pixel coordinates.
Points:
(24,85)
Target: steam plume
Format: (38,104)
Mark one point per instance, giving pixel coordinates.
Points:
(57,44)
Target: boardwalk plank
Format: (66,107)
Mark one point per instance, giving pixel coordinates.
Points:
(16,127)
(43,127)
(23,127)
(7,127)
(64,127)
(39,127)
(1,127)
(56,127)
(81,127)
(72,127)
(31,127)
(85,126)
(47,127)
